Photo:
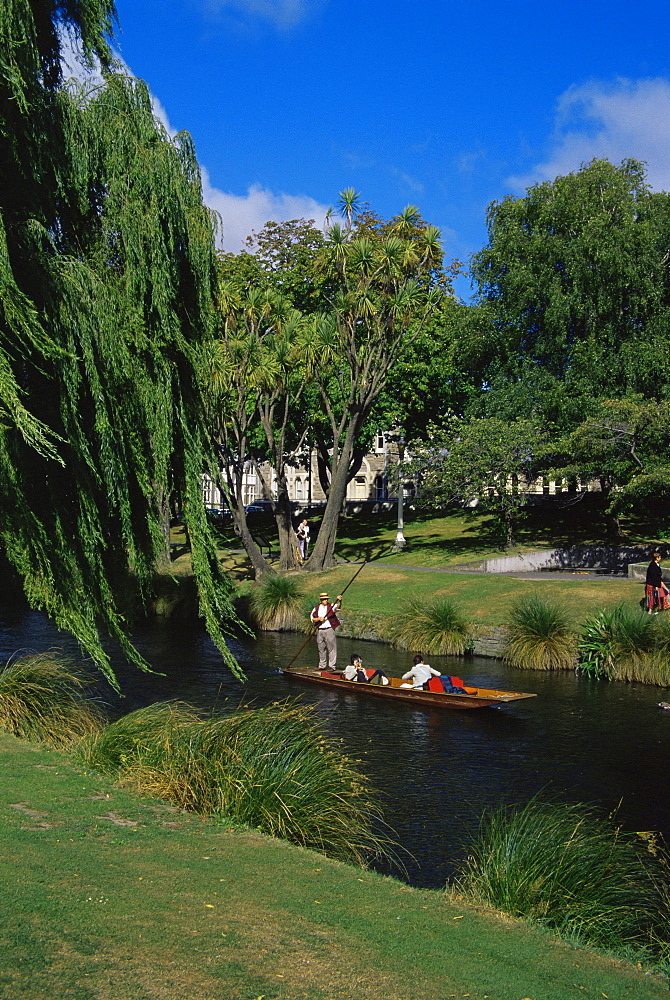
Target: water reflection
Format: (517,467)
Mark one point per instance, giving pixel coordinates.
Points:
(436,771)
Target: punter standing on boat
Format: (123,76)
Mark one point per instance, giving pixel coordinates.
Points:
(326,621)
(420,674)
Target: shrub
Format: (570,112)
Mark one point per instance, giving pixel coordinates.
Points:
(154,733)
(439,628)
(563,866)
(620,644)
(271,768)
(539,636)
(43,697)
(276,603)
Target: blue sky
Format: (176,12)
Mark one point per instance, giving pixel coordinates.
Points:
(445,105)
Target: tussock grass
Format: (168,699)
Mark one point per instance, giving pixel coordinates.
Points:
(43,697)
(566,868)
(276,604)
(625,643)
(539,636)
(271,768)
(437,627)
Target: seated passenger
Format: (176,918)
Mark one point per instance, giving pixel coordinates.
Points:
(354,672)
(420,674)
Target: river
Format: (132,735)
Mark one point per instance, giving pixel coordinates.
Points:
(436,771)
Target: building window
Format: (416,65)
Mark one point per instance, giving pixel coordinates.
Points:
(380,441)
(298,489)
(361,488)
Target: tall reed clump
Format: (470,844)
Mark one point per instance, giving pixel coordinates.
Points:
(43,697)
(539,636)
(624,644)
(566,868)
(271,768)
(276,604)
(438,627)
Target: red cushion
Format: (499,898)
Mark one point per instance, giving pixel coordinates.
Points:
(435,684)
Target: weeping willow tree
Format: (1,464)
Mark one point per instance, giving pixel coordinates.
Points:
(106,292)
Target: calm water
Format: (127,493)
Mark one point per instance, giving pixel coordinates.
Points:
(578,741)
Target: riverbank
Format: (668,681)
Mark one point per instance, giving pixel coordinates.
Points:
(382,591)
(108,896)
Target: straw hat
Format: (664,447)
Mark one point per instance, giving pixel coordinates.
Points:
(322,595)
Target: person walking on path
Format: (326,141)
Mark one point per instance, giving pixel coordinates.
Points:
(655,592)
(326,621)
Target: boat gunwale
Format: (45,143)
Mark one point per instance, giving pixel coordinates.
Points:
(485,697)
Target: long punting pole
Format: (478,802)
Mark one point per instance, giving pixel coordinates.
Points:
(313,630)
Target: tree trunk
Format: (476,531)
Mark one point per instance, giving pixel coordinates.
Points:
(289,553)
(258,561)
(163,511)
(323,553)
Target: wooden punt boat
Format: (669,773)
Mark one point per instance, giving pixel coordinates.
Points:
(475,698)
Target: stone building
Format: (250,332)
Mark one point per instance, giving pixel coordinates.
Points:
(374,481)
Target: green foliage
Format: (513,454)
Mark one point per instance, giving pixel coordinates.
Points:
(488,463)
(286,372)
(624,643)
(562,866)
(277,603)
(618,445)
(106,285)
(43,697)
(438,627)
(539,636)
(576,276)
(271,768)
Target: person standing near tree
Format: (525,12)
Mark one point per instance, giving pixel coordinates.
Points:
(655,591)
(326,621)
(303,538)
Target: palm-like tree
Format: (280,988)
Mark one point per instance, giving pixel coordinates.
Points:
(349,201)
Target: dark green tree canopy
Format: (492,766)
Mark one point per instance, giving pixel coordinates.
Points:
(576,279)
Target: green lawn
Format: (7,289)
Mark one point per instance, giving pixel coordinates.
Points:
(383,590)
(107,896)
(436,545)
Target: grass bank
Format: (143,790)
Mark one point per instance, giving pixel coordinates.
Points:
(382,590)
(107,896)
(435,546)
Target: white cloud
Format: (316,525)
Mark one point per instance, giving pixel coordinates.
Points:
(240,214)
(283,13)
(618,120)
(243,214)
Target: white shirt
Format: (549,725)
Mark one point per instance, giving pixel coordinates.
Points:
(320,611)
(420,673)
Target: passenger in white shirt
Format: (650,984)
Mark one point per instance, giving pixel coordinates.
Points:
(420,674)
(354,672)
